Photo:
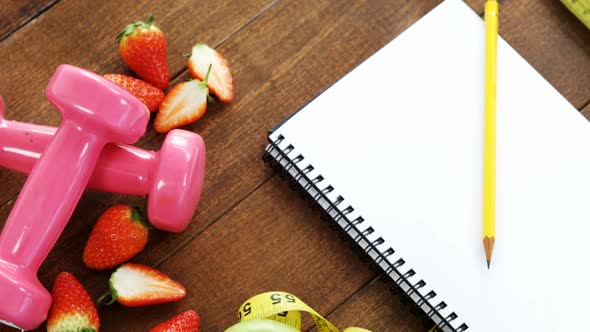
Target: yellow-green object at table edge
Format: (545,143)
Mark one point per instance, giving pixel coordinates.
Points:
(261,325)
(580,8)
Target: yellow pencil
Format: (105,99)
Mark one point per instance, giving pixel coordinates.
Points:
(489,159)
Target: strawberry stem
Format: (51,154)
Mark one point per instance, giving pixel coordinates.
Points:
(113,295)
(150,20)
(103,297)
(207,76)
(87,329)
(203,84)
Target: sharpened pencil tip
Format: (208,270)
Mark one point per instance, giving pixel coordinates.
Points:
(488,246)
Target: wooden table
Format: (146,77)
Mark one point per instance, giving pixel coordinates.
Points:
(251,233)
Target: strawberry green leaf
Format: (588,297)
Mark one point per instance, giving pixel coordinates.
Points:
(130,29)
(138,214)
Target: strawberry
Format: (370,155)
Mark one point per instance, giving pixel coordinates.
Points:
(184,104)
(119,234)
(72,308)
(135,285)
(221,82)
(148,94)
(143,47)
(187,321)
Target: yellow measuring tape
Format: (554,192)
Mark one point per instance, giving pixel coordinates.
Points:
(284,308)
(581,8)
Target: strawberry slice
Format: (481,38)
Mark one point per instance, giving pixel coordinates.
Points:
(187,321)
(135,285)
(221,82)
(184,104)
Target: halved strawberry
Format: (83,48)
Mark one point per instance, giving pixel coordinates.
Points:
(187,321)
(135,285)
(184,104)
(221,82)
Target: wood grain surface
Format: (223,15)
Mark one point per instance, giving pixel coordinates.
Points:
(251,232)
(16,13)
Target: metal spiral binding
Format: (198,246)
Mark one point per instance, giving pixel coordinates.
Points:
(290,169)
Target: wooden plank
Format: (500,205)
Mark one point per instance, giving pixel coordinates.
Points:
(16,13)
(376,308)
(552,40)
(272,241)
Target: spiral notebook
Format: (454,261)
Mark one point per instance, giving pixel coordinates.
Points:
(393,154)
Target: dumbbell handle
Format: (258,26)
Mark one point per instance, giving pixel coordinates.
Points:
(37,219)
(120,169)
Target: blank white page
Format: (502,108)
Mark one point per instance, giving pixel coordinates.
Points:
(400,138)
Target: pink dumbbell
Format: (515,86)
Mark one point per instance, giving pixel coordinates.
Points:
(172,178)
(94,113)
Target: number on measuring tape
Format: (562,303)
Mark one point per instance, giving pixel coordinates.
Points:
(277,298)
(247,309)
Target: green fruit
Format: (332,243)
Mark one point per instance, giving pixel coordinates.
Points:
(261,325)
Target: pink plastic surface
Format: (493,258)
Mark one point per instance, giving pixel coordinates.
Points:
(94,113)
(172,178)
